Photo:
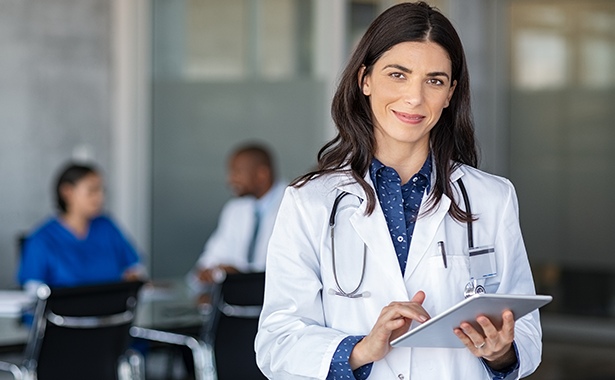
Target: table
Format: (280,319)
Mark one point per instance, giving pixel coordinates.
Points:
(168,304)
(165,304)
(12,302)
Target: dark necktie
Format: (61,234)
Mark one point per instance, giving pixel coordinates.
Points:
(252,246)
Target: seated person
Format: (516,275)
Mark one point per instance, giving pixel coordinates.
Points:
(239,243)
(79,245)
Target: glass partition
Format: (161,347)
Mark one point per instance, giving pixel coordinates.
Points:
(562,140)
(225,72)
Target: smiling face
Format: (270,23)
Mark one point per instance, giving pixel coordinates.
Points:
(408,87)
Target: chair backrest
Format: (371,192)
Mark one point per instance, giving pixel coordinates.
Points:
(81,332)
(238,308)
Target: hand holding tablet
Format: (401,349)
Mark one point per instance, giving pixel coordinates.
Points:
(438,331)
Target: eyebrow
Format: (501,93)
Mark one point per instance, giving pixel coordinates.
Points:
(408,71)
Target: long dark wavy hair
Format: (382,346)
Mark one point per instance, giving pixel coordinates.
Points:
(451,139)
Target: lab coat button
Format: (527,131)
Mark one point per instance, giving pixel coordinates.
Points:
(400,376)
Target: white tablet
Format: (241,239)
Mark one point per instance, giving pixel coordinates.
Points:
(438,331)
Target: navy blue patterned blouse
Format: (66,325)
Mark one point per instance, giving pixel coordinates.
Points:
(400,205)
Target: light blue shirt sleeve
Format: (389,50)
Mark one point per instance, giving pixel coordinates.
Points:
(340,366)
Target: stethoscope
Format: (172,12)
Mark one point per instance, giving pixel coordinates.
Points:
(470,289)
(341,292)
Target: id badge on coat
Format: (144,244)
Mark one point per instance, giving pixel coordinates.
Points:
(482,262)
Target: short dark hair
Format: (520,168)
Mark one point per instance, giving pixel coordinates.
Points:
(452,138)
(259,153)
(71,173)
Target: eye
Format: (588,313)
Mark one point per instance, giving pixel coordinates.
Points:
(397,75)
(435,81)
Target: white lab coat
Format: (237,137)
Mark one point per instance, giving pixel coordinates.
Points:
(302,324)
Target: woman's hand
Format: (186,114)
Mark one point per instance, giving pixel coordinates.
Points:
(495,346)
(133,275)
(394,320)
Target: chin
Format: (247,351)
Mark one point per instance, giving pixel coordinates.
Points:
(95,214)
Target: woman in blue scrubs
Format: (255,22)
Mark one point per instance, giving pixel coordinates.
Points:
(79,245)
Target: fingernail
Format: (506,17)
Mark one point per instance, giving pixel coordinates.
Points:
(422,318)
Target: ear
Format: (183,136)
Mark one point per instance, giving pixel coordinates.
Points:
(363,80)
(262,172)
(450,93)
(66,190)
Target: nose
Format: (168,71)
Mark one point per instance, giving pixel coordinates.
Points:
(413,92)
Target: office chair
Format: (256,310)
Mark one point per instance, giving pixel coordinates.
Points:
(225,350)
(82,333)
(234,328)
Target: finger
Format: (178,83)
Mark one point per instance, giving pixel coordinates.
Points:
(463,337)
(395,324)
(475,336)
(409,310)
(204,275)
(467,341)
(419,297)
(489,329)
(508,325)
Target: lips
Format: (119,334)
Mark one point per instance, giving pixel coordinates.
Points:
(409,118)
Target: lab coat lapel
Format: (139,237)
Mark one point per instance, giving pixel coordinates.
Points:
(424,233)
(374,232)
(427,226)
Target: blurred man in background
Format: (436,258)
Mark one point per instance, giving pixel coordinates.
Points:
(239,243)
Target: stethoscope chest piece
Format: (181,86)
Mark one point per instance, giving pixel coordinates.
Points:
(473,288)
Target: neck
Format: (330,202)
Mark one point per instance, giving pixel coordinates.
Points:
(406,162)
(77,223)
(262,191)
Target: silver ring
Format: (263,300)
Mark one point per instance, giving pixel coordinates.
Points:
(479,346)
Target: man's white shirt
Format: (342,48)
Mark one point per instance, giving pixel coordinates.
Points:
(230,241)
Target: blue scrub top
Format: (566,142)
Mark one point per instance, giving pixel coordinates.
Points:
(55,256)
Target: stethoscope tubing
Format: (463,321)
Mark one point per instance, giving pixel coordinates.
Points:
(355,292)
(340,291)
(466,201)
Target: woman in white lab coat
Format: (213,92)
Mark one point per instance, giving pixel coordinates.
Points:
(400,253)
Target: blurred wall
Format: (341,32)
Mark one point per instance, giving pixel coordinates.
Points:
(562,137)
(54,104)
(226,73)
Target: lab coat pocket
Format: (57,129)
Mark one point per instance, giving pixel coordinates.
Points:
(446,284)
